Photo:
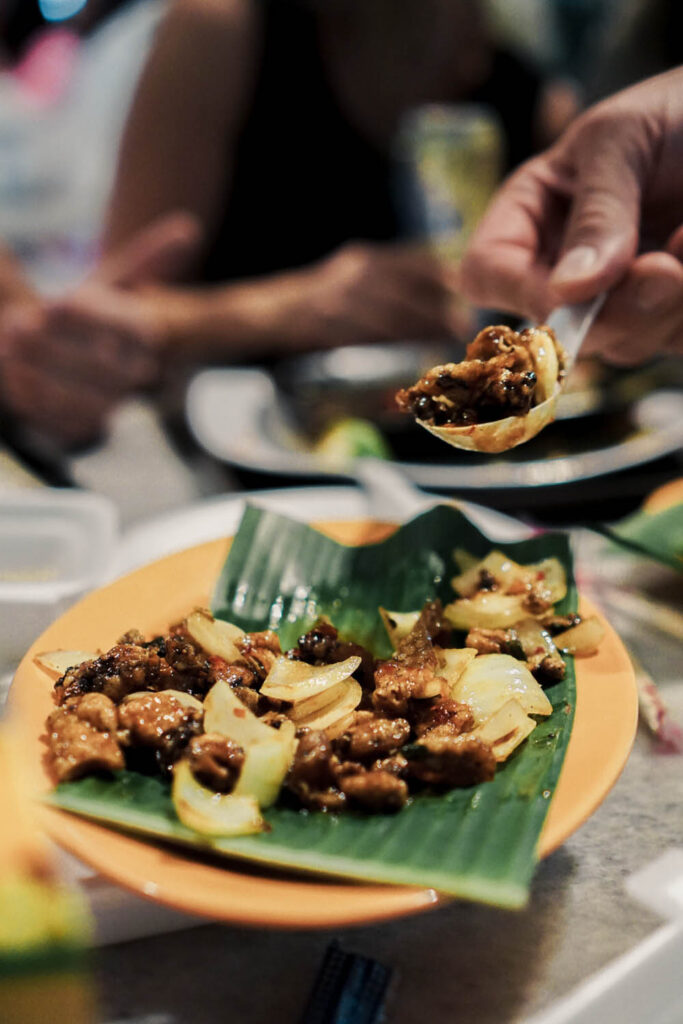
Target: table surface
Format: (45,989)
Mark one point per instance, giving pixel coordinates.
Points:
(460,961)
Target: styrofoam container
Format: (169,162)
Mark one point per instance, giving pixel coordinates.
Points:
(55,545)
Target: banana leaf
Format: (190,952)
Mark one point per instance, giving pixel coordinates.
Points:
(658,535)
(478,842)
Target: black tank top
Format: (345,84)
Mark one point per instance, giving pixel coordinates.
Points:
(305,181)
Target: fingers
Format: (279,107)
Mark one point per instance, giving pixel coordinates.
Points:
(48,405)
(643,315)
(565,226)
(160,252)
(508,261)
(610,162)
(60,367)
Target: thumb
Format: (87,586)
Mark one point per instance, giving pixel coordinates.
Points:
(601,235)
(159,252)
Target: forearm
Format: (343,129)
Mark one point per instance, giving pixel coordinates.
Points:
(233,321)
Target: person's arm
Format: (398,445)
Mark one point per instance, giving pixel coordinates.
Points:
(177,154)
(599,210)
(177,149)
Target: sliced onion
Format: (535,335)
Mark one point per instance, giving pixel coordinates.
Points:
(225,713)
(486,610)
(265,767)
(583,639)
(347,698)
(296,680)
(535,641)
(490,680)
(453,661)
(500,566)
(505,729)
(215,636)
(210,813)
(398,624)
(60,662)
(542,347)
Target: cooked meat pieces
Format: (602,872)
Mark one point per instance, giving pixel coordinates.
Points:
(82,737)
(504,344)
(497,379)
(558,623)
(216,761)
(312,767)
(538,599)
(489,641)
(375,791)
(147,719)
(322,646)
(373,737)
(259,651)
(233,675)
(314,773)
(450,716)
(551,669)
(171,663)
(396,685)
(435,624)
(411,674)
(452,760)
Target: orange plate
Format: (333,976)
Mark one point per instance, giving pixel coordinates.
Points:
(163,592)
(665,496)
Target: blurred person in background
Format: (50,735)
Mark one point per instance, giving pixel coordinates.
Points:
(65,89)
(271,125)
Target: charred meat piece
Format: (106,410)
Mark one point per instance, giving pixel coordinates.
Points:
(259,651)
(372,738)
(497,379)
(375,791)
(322,646)
(313,775)
(82,737)
(146,718)
(437,627)
(451,760)
(538,599)
(234,675)
(551,669)
(396,765)
(396,685)
(171,664)
(158,724)
(490,641)
(215,760)
(411,674)
(450,716)
(245,682)
(558,623)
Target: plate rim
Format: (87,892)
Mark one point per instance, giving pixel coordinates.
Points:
(642,448)
(252,897)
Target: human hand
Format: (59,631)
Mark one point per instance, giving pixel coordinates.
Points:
(571,223)
(66,364)
(368,292)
